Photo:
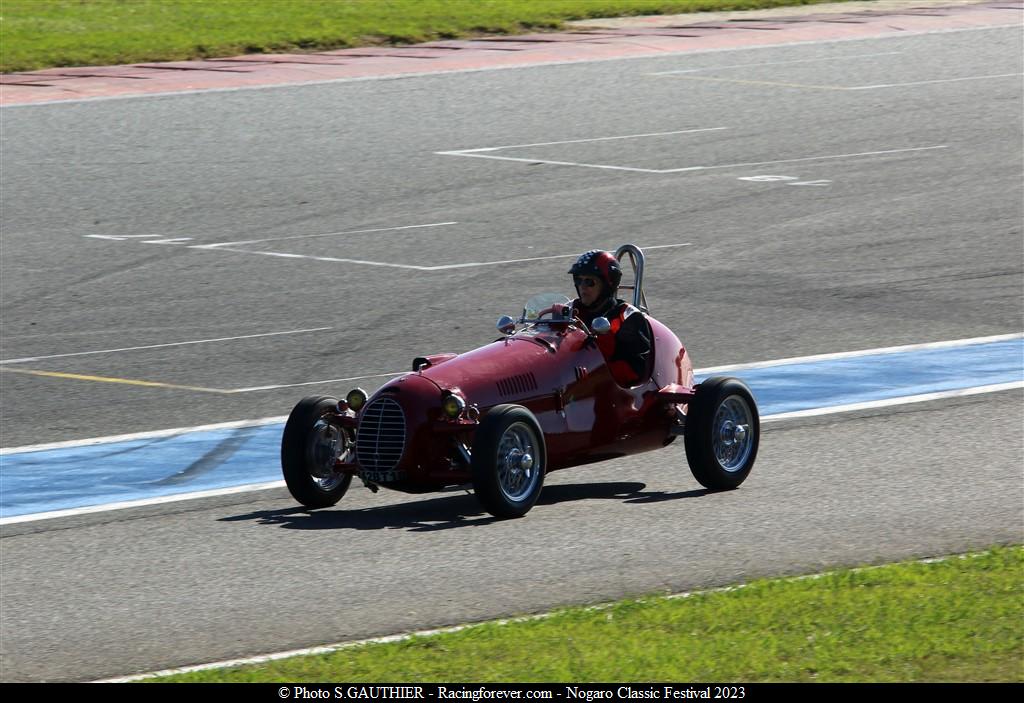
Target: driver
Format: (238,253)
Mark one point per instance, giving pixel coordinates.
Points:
(627,348)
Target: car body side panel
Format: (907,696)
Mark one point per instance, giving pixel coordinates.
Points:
(557,372)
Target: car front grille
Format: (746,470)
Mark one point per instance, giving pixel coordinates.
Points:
(380,439)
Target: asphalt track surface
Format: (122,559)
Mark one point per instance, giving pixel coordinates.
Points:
(897,247)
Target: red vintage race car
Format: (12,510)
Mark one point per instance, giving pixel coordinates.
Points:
(499,418)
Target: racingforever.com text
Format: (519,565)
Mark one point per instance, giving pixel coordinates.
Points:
(482,693)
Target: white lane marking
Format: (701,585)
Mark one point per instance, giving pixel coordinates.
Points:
(167,241)
(537,258)
(660,53)
(691,168)
(942,80)
(477,152)
(316,383)
(405,636)
(413,267)
(580,141)
(551,162)
(152,434)
(155,434)
(160,346)
(808,158)
(331,259)
(862,352)
(889,402)
(869,405)
(775,63)
(124,505)
(771,179)
(121,237)
(327,234)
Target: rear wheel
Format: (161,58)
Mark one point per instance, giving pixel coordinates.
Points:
(310,448)
(722,433)
(509,461)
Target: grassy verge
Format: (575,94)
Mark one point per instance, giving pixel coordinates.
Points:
(954,620)
(38,34)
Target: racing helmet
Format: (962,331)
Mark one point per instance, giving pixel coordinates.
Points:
(600,264)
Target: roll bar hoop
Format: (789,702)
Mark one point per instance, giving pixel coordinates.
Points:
(636,259)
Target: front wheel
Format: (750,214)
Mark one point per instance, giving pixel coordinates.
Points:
(310,448)
(509,461)
(722,433)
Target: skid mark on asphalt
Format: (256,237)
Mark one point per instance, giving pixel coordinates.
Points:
(212,459)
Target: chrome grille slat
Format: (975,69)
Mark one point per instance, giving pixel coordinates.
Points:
(380,440)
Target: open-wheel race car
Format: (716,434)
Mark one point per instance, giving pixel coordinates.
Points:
(499,418)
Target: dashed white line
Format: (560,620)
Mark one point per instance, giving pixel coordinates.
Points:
(160,346)
(317,383)
(685,169)
(120,237)
(326,234)
(807,158)
(942,80)
(554,163)
(413,267)
(580,141)
(535,258)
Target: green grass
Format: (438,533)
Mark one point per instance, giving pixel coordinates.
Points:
(957,620)
(38,34)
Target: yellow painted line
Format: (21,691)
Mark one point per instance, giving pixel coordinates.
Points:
(774,84)
(111,379)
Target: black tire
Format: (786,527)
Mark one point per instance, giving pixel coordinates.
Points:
(305,461)
(505,434)
(719,453)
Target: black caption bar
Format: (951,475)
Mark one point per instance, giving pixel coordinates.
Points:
(434,692)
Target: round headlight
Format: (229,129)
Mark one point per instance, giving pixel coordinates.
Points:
(356,398)
(453,405)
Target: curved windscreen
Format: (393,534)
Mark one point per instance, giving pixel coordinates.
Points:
(547,307)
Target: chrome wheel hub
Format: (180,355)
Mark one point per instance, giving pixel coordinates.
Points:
(327,443)
(731,433)
(517,473)
(731,436)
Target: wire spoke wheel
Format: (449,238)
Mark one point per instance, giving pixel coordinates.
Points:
(722,433)
(509,461)
(311,448)
(515,460)
(730,433)
(326,444)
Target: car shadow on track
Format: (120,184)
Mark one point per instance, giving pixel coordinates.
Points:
(445,513)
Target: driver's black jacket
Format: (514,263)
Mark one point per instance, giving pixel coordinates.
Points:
(627,350)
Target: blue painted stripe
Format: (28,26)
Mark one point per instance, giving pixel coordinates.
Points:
(823,384)
(59,479)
